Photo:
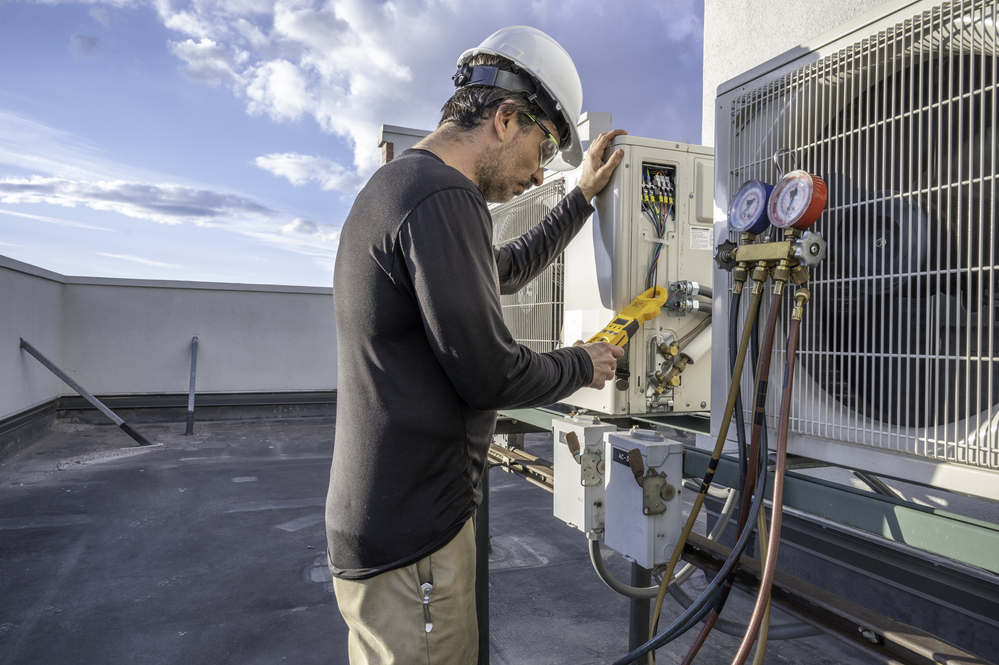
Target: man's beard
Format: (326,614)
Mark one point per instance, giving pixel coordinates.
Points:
(495,177)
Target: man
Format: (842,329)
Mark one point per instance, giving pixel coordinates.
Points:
(425,359)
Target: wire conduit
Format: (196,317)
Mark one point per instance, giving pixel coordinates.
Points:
(648,593)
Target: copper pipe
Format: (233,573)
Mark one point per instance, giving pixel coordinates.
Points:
(778,499)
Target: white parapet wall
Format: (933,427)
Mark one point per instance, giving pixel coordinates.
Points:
(133,337)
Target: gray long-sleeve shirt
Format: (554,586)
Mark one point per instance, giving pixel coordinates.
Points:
(425,359)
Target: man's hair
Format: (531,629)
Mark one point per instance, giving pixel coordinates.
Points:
(471,105)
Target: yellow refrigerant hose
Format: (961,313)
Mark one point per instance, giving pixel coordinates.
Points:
(761,532)
(740,361)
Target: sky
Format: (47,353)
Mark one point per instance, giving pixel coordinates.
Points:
(225,140)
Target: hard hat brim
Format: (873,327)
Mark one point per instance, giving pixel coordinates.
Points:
(568,159)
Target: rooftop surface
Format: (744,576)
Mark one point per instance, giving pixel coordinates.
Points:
(210,549)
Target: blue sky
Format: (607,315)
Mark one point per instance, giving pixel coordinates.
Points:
(224,140)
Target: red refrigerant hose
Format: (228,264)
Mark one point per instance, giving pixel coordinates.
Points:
(800,298)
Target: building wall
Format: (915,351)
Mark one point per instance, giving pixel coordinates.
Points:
(127,337)
(30,307)
(741,34)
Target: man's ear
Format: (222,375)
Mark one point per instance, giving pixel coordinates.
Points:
(505,123)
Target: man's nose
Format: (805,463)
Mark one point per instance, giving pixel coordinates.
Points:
(538,177)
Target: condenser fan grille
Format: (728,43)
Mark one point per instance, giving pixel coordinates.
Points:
(899,342)
(533,314)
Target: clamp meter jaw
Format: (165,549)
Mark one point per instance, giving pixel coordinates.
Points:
(624,326)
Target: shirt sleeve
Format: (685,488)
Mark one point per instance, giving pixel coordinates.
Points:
(445,246)
(526,256)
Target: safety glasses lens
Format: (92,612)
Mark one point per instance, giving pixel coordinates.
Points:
(548,151)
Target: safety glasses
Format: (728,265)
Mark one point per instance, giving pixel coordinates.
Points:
(549,146)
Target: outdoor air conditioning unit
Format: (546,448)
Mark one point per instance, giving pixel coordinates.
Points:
(620,253)
(899,349)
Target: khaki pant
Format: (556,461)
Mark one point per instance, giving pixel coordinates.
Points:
(386,613)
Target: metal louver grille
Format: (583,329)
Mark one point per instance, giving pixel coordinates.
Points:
(533,314)
(898,345)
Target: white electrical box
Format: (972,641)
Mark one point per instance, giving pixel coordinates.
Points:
(644,510)
(580,471)
(627,247)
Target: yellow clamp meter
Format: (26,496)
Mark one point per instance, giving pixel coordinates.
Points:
(643,308)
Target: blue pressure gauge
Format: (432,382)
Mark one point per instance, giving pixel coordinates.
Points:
(748,212)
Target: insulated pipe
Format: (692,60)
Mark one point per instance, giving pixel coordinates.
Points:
(878,485)
(698,346)
(778,497)
(648,593)
(616,585)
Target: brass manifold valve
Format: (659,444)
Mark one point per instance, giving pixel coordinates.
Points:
(671,379)
(805,249)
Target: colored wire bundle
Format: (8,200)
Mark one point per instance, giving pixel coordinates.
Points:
(657,203)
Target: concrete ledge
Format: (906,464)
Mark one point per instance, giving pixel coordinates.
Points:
(22,429)
(19,431)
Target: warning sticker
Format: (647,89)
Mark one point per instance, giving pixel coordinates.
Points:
(701,237)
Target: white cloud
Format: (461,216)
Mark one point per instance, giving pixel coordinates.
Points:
(253,34)
(279,89)
(139,259)
(206,60)
(36,148)
(324,232)
(52,220)
(352,65)
(76,174)
(84,46)
(100,16)
(165,203)
(303,169)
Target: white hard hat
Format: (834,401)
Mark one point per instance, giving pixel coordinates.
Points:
(543,61)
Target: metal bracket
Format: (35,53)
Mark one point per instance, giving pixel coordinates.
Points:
(652,499)
(589,469)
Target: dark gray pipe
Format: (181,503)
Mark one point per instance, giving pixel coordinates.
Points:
(190,395)
(97,404)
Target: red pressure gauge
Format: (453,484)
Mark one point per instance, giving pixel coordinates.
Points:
(797,200)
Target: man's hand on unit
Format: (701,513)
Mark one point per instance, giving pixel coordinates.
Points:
(597,173)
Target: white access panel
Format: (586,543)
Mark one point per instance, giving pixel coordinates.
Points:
(649,539)
(579,484)
(607,264)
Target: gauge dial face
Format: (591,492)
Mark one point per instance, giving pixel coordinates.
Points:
(791,199)
(747,214)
